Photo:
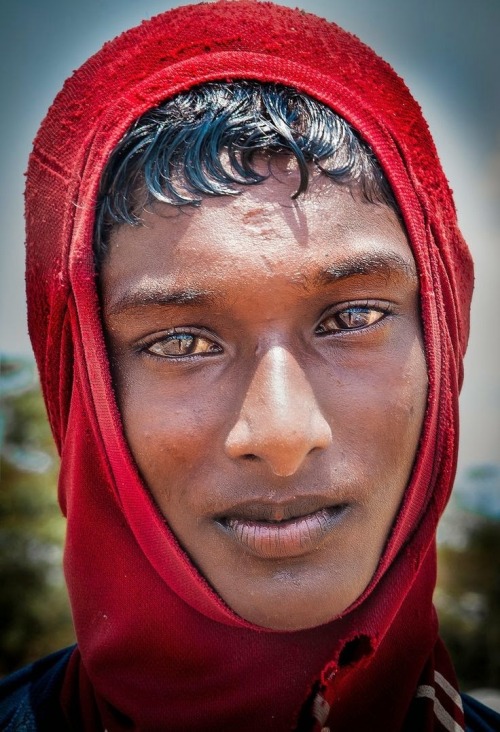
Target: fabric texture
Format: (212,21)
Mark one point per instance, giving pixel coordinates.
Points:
(157,648)
(30,700)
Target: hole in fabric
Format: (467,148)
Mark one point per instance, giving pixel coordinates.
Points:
(354,650)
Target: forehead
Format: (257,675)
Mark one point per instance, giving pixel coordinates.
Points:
(258,237)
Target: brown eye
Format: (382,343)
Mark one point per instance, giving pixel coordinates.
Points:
(183,344)
(350,319)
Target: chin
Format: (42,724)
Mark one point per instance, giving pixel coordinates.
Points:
(297,606)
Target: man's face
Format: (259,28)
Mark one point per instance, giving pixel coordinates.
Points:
(269,370)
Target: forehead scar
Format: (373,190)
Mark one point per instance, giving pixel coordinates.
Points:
(248,216)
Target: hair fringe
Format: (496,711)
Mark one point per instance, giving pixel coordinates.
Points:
(203,142)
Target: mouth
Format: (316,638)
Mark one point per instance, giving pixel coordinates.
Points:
(282,531)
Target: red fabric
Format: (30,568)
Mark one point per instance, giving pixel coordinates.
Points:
(157,648)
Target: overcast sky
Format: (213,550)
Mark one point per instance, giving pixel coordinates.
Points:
(447,50)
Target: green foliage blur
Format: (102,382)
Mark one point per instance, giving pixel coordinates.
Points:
(34,612)
(468,604)
(467,596)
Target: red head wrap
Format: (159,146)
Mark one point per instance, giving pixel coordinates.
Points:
(157,648)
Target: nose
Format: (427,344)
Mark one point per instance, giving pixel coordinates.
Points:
(280,421)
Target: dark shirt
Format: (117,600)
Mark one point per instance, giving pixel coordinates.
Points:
(29,698)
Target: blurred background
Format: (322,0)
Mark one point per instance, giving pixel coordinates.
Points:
(447,52)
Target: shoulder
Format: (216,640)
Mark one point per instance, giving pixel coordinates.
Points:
(29,698)
(478,717)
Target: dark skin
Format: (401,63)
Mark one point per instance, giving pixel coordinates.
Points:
(269,368)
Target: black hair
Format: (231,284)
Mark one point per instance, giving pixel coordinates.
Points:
(203,142)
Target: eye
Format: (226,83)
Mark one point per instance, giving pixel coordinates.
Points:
(176,345)
(352,318)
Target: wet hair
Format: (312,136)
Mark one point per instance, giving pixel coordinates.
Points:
(204,142)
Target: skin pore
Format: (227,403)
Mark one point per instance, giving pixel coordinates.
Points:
(269,370)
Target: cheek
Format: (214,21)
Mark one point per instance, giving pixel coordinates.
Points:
(407,385)
(376,410)
(170,430)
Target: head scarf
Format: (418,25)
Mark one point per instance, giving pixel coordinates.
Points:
(157,648)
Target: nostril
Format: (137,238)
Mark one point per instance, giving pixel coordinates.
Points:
(249,456)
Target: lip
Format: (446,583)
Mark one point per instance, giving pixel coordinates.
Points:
(268,532)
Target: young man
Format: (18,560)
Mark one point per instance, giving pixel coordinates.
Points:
(249,304)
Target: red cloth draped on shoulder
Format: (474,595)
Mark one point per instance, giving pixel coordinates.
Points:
(157,648)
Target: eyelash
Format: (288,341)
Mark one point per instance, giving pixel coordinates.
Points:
(383,308)
(198,335)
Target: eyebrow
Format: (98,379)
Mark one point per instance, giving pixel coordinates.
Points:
(157,294)
(387,264)
(372,263)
